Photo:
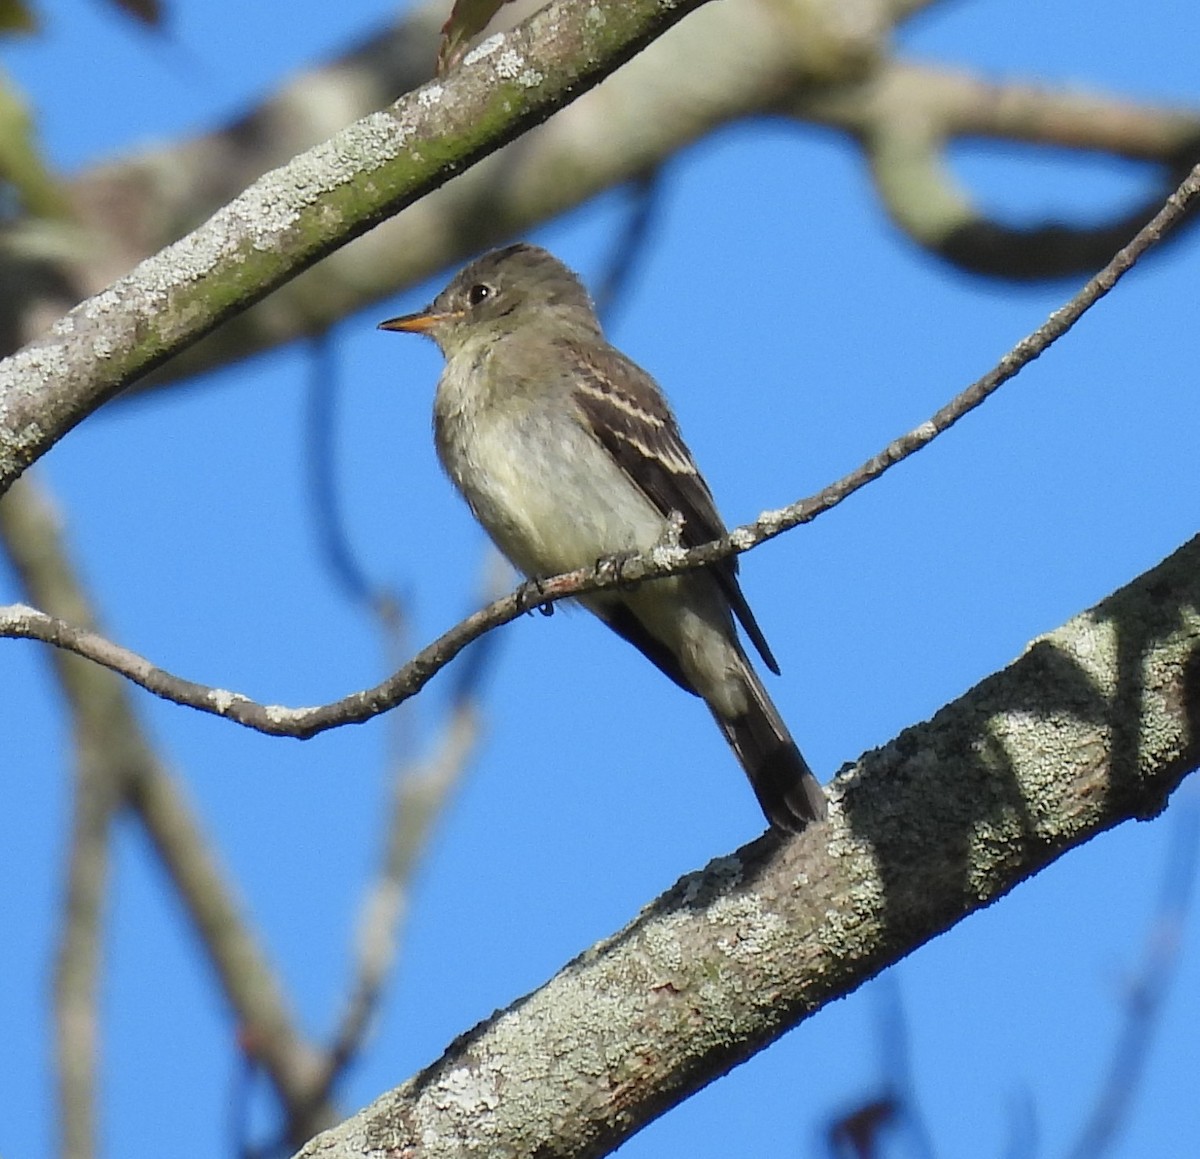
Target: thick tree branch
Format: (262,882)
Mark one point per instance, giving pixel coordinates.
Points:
(1095,724)
(819,60)
(292,217)
(277,720)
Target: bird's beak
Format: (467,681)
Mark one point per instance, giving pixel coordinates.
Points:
(422,322)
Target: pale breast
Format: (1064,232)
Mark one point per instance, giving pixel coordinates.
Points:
(549,495)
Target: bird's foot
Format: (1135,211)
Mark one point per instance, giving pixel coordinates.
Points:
(531,596)
(611,568)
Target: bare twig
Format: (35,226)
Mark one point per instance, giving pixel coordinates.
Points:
(419,800)
(278,720)
(629,245)
(321,459)
(77,962)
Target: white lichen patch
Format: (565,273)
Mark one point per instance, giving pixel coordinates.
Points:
(666,556)
(430,95)
(484,49)
(1040,750)
(510,65)
(465,1092)
(375,136)
(992,848)
(280,714)
(223,700)
(1092,640)
(145,283)
(843,842)
(186,260)
(662,948)
(747,929)
(274,202)
(29,368)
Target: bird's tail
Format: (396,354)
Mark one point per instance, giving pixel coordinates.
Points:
(789,794)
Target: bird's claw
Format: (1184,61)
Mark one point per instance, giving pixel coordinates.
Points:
(611,568)
(531,596)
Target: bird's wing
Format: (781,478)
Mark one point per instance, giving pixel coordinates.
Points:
(630,418)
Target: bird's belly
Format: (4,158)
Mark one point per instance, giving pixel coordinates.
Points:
(550,497)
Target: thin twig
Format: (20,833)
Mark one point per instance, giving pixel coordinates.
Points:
(95,802)
(420,797)
(320,457)
(277,720)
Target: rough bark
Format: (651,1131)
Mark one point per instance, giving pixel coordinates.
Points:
(292,217)
(1096,723)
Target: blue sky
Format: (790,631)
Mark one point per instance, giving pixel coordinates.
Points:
(796,332)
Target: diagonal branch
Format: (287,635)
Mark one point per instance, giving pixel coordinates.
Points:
(825,62)
(1096,723)
(278,720)
(297,214)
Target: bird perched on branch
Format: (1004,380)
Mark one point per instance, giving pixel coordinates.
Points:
(568,453)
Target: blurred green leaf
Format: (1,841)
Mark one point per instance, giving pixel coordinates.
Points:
(16,17)
(21,165)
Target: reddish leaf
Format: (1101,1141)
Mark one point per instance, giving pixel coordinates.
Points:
(147,11)
(467,19)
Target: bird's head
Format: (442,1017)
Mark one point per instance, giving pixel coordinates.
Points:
(499,293)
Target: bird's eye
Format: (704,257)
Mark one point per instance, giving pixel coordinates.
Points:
(476,294)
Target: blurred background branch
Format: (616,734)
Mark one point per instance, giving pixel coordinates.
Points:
(816,61)
(800,63)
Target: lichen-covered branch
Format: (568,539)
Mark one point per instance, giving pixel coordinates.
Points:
(1095,724)
(297,214)
(820,61)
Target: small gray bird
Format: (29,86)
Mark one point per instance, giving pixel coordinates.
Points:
(568,453)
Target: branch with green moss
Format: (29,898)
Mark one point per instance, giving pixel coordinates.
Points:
(297,214)
(818,61)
